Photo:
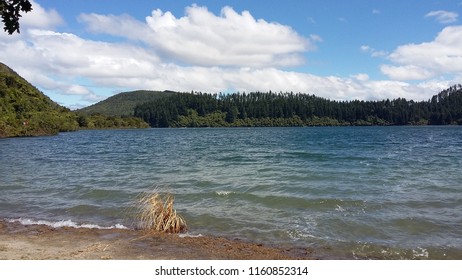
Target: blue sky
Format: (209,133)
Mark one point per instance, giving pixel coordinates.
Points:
(80,52)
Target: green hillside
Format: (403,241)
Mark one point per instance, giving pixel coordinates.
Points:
(25,111)
(123,104)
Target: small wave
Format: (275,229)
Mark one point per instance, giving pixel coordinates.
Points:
(62,223)
(223,193)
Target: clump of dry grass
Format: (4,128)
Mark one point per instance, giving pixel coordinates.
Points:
(155,212)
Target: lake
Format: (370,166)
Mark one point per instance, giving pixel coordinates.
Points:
(343,192)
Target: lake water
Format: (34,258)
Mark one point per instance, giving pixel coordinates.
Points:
(343,192)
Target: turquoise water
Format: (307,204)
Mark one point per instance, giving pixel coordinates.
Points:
(343,192)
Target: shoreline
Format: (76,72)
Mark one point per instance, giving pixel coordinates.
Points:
(42,242)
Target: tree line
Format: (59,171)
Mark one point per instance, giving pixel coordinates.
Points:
(198,109)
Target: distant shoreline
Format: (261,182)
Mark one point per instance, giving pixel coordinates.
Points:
(138,128)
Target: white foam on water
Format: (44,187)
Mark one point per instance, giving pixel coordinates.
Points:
(62,223)
(420,253)
(297,235)
(183,235)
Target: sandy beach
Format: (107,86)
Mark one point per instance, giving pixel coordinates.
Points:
(38,242)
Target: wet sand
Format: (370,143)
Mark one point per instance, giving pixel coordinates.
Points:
(38,242)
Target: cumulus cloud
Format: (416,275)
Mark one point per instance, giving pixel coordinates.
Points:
(202,38)
(71,55)
(443,17)
(442,56)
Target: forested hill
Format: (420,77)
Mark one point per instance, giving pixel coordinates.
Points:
(123,104)
(25,111)
(289,109)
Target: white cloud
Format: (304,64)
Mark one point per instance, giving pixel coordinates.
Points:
(373,52)
(365,48)
(53,61)
(361,77)
(166,52)
(442,56)
(61,60)
(316,38)
(376,12)
(40,17)
(406,72)
(71,55)
(78,90)
(443,16)
(123,25)
(202,38)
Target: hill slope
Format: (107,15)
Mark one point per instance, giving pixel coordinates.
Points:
(25,111)
(123,104)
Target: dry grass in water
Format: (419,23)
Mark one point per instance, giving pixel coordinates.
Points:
(156,213)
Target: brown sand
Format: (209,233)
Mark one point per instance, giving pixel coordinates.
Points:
(37,242)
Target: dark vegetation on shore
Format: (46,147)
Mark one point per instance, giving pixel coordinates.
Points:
(25,111)
(290,109)
(176,109)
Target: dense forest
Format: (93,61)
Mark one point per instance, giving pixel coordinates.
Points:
(290,109)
